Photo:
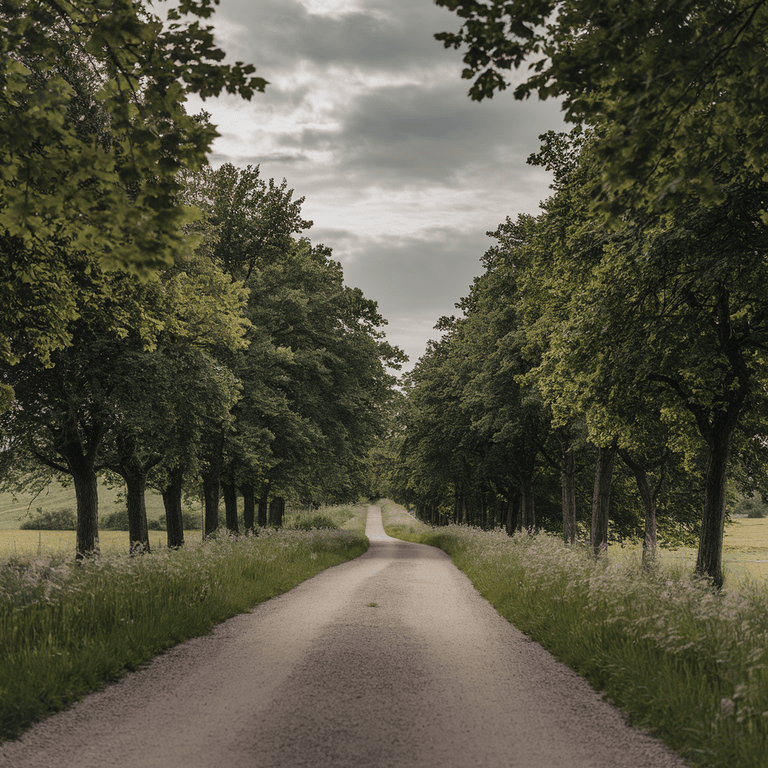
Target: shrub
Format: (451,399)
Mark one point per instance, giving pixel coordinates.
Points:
(308,522)
(118,521)
(51,520)
(752,506)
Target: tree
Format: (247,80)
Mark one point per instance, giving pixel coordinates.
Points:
(117,197)
(93,138)
(328,380)
(664,315)
(114,398)
(247,225)
(678,88)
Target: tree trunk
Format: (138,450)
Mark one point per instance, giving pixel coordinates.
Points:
(87,496)
(211,482)
(174,522)
(511,518)
(527,505)
(81,466)
(211,498)
(263,507)
(709,560)
(649,505)
(249,507)
(601,498)
(138,535)
(276,511)
(230,506)
(568,484)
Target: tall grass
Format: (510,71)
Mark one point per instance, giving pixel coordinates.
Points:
(66,629)
(685,661)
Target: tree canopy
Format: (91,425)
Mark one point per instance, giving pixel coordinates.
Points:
(94,126)
(678,88)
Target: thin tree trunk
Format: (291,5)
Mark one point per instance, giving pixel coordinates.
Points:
(211,498)
(648,498)
(230,506)
(211,484)
(87,496)
(709,559)
(138,534)
(263,507)
(601,498)
(174,521)
(527,505)
(510,522)
(568,484)
(249,507)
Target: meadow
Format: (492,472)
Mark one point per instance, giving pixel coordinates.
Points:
(15,508)
(66,629)
(745,552)
(683,660)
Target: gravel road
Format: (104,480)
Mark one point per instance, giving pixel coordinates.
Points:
(392,659)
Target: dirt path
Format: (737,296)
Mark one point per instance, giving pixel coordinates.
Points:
(392,659)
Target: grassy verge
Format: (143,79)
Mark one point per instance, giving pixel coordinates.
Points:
(65,630)
(685,662)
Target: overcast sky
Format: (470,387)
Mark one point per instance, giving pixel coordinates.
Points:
(367,117)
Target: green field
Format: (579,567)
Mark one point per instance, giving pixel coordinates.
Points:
(14,509)
(745,551)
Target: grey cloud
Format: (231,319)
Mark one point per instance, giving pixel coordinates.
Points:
(431,269)
(277,34)
(433,134)
(404,150)
(406,135)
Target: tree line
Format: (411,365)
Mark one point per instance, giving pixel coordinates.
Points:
(166,322)
(629,319)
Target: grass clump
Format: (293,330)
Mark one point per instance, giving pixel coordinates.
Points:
(685,661)
(67,629)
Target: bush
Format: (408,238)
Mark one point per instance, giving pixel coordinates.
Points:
(51,520)
(752,506)
(308,522)
(118,521)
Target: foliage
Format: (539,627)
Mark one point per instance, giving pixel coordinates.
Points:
(751,506)
(94,137)
(676,88)
(50,520)
(112,190)
(310,521)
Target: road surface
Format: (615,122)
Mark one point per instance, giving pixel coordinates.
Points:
(392,660)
